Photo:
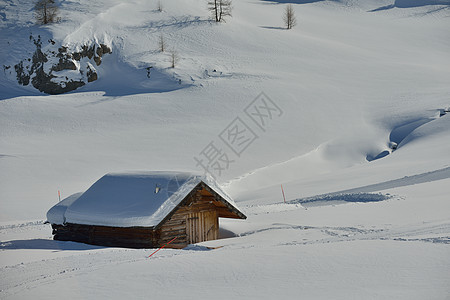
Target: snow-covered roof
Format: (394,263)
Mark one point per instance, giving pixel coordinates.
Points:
(130,199)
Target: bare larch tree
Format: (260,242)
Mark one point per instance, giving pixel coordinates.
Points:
(46,11)
(174,58)
(159,6)
(220,9)
(289,17)
(161,43)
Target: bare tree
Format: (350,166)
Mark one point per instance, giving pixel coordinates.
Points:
(46,11)
(289,17)
(161,43)
(159,6)
(174,58)
(220,9)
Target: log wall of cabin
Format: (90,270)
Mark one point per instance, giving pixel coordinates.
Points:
(130,237)
(196,220)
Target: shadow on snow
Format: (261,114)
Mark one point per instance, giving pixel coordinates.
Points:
(413,3)
(340,198)
(44,244)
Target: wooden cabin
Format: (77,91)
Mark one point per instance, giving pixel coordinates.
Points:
(144,210)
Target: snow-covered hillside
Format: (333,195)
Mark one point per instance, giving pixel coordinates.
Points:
(356,129)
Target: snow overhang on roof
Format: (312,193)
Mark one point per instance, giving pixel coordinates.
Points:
(132,199)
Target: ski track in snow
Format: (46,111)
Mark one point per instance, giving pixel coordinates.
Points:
(19,225)
(345,234)
(47,271)
(341,234)
(25,276)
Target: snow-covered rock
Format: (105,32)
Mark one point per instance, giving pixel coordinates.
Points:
(59,71)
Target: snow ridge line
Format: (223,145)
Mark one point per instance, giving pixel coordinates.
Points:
(390,184)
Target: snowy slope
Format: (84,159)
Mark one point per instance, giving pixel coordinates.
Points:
(351,79)
(343,89)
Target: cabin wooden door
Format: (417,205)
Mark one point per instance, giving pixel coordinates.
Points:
(202,226)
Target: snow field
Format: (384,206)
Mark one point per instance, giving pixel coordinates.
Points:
(352,77)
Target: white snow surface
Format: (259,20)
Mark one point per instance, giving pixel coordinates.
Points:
(130,199)
(56,214)
(354,77)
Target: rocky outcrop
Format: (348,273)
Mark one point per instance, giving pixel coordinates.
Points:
(23,77)
(57,71)
(91,74)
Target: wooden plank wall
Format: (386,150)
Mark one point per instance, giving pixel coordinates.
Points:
(202,226)
(196,220)
(130,237)
(174,227)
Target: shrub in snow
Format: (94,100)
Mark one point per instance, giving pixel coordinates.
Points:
(289,17)
(46,11)
(174,58)
(161,43)
(159,6)
(220,9)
